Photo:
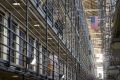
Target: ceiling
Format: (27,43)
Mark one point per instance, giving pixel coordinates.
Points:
(91,9)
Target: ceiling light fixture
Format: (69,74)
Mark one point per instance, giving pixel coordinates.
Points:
(49,38)
(16,4)
(15,76)
(115,45)
(36,25)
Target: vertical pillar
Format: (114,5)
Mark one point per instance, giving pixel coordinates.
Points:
(71,25)
(59,55)
(53,26)
(46,36)
(66,68)
(65,24)
(10,25)
(17,45)
(58,46)
(53,68)
(27,5)
(46,31)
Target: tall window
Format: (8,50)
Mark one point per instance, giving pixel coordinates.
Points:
(56,67)
(22,48)
(50,65)
(13,42)
(61,67)
(69,72)
(30,53)
(45,56)
(3,36)
(36,59)
(59,27)
(31,46)
(37,55)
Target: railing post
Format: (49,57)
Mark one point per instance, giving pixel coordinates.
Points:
(10,33)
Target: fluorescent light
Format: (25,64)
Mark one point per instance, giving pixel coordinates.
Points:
(15,76)
(91,10)
(49,38)
(36,25)
(15,4)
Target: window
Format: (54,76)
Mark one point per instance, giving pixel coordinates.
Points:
(44,57)
(63,1)
(30,53)
(56,67)
(61,72)
(59,27)
(31,46)
(13,42)
(36,59)
(50,65)
(3,37)
(61,67)
(67,5)
(49,9)
(22,48)
(69,72)
(100,75)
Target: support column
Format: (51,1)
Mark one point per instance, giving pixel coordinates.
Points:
(46,33)
(53,68)
(26,23)
(10,25)
(66,68)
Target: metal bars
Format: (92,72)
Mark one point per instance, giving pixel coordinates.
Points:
(37,44)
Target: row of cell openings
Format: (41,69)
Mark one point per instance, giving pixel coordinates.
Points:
(48,63)
(16,32)
(15,48)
